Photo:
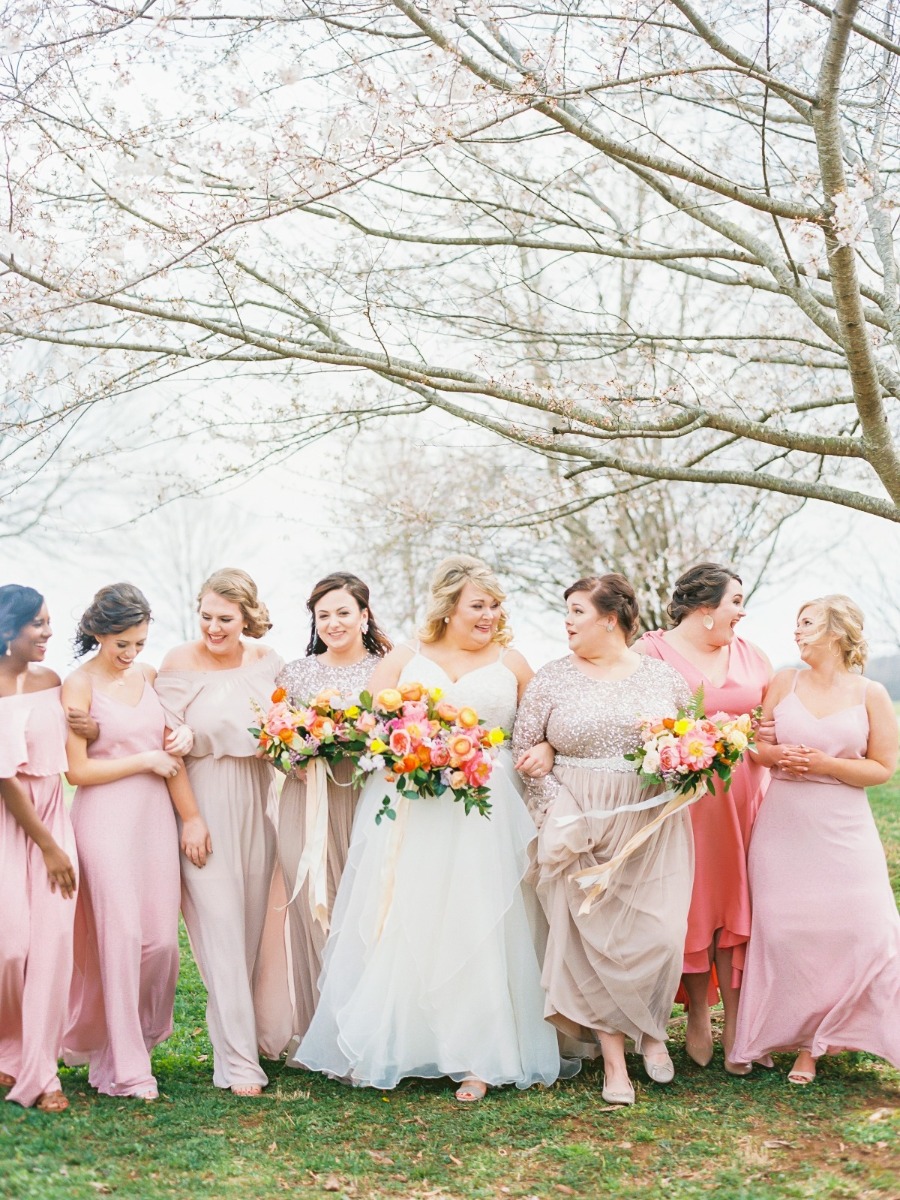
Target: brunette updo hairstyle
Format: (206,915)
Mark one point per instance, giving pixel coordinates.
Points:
(114,609)
(702,586)
(373,639)
(612,595)
(447,583)
(231,583)
(18,606)
(843,618)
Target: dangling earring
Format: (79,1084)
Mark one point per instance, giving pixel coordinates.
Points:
(364,628)
(708,622)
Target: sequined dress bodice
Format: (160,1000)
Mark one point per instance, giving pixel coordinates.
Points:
(304,678)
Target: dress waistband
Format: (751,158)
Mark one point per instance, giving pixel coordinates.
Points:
(616,763)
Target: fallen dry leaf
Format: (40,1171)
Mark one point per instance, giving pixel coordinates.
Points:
(777,1144)
(331,1184)
(454,1159)
(880,1113)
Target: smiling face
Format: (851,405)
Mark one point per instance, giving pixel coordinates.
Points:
(585,627)
(725,617)
(30,643)
(119,650)
(340,621)
(475,618)
(813,642)
(221,624)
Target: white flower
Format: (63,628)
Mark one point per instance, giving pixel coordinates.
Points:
(650,765)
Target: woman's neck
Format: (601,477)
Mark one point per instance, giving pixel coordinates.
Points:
(343,658)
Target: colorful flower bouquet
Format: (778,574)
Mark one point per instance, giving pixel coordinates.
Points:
(686,751)
(427,747)
(327,727)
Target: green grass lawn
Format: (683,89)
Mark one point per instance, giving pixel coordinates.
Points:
(706,1135)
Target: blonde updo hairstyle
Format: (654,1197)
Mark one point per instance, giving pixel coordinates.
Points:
(235,585)
(842,618)
(447,583)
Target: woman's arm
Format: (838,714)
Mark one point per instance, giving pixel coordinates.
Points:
(76,693)
(59,865)
(770,754)
(196,843)
(530,732)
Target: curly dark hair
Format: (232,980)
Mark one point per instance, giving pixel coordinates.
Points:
(610,594)
(115,608)
(702,586)
(373,639)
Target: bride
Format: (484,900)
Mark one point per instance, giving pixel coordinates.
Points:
(448,982)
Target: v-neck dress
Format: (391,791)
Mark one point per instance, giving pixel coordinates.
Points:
(450,985)
(722,821)
(126,922)
(35,922)
(823,964)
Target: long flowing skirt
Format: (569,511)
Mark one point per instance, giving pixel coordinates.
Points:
(126,932)
(35,947)
(448,984)
(823,964)
(614,969)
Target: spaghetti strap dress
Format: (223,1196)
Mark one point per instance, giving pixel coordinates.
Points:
(823,965)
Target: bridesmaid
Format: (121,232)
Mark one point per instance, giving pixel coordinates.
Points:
(37,857)
(823,965)
(227,873)
(345,646)
(706,606)
(609,973)
(126,926)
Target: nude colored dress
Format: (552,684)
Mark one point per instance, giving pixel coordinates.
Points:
(36,923)
(304,679)
(126,924)
(226,902)
(722,822)
(823,964)
(450,985)
(614,969)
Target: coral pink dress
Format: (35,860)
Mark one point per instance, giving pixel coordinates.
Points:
(126,925)
(36,926)
(722,822)
(823,965)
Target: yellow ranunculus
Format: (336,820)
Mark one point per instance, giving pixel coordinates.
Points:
(682,726)
(377,746)
(435,693)
(388,700)
(352,712)
(496,736)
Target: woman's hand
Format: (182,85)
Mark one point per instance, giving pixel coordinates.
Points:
(60,870)
(765,731)
(180,741)
(82,724)
(161,763)
(805,760)
(537,761)
(196,843)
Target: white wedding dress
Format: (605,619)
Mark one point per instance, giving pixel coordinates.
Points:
(451,987)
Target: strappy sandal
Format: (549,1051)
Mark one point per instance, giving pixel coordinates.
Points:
(250,1090)
(51,1102)
(470,1091)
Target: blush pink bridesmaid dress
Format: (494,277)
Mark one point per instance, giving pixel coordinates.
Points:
(126,928)
(36,925)
(823,965)
(722,822)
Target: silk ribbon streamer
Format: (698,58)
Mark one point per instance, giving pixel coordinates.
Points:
(595,880)
(603,814)
(314,859)
(389,867)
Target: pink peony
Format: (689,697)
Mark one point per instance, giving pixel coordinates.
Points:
(277,718)
(440,755)
(669,758)
(366,722)
(697,750)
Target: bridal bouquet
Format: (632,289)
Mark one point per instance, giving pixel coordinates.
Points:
(686,751)
(427,746)
(327,727)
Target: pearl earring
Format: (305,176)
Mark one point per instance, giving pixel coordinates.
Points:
(446,620)
(708,622)
(610,626)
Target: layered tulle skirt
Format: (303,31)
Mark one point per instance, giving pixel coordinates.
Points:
(431,968)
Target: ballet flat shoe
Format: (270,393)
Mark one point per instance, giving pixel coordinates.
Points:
(612,1097)
(660,1072)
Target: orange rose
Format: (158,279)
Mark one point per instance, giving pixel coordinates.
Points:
(322,727)
(468,718)
(461,749)
(410,763)
(278,695)
(458,780)
(669,723)
(286,734)
(388,700)
(447,712)
(424,755)
(327,698)
(412,691)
